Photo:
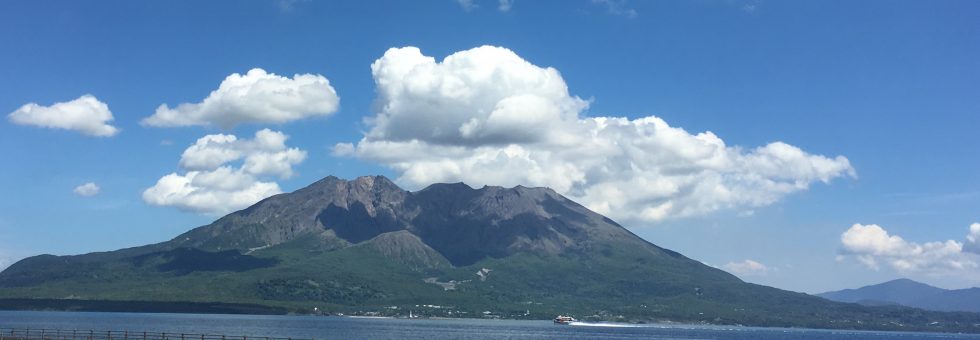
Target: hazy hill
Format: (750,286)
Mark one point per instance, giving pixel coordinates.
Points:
(367,246)
(910,293)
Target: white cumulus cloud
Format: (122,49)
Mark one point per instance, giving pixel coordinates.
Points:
(487,116)
(87,190)
(224,173)
(873,246)
(746,268)
(255,97)
(86,115)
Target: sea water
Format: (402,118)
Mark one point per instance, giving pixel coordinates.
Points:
(319,327)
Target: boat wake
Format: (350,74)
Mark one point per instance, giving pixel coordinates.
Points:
(602,324)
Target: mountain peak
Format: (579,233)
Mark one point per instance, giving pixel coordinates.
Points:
(372,180)
(365,242)
(448,187)
(361,181)
(904,281)
(911,293)
(460,222)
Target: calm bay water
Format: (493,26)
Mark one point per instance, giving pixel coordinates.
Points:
(359,328)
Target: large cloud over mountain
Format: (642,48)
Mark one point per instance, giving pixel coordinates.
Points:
(224,173)
(487,116)
(254,97)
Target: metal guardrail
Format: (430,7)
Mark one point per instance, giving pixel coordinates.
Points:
(77,334)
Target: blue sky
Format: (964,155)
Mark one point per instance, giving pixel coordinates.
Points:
(894,87)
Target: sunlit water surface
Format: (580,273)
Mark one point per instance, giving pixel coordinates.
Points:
(373,328)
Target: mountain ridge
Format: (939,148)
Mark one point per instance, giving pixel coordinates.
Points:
(910,293)
(368,246)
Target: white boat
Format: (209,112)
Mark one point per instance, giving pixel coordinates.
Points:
(564,320)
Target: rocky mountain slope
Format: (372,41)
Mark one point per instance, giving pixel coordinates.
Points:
(366,246)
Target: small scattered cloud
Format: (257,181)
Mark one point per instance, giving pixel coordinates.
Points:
(751,6)
(223,173)
(7,255)
(471,5)
(255,97)
(617,7)
(288,6)
(973,239)
(166,142)
(486,116)
(874,246)
(505,5)
(86,115)
(746,268)
(5,262)
(87,190)
(467,5)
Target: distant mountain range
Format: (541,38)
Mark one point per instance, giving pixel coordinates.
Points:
(368,247)
(910,293)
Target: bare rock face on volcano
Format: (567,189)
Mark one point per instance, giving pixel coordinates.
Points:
(368,245)
(463,224)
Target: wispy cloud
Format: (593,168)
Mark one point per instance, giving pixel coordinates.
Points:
(746,268)
(923,203)
(751,6)
(505,5)
(5,262)
(467,5)
(288,6)
(6,258)
(617,7)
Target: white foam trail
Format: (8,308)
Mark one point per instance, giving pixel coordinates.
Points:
(601,324)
